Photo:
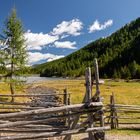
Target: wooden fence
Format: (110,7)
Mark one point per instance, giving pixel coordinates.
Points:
(61,120)
(121,114)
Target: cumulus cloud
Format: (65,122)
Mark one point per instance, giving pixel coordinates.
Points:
(35,57)
(35,41)
(65,44)
(72,27)
(96,26)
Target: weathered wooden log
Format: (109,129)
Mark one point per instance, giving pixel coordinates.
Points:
(54,134)
(129,123)
(45,116)
(127,117)
(31,130)
(45,104)
(14,103)
(29,95)
(4,121)
(20,107)
(121,105)
(40,126)
(49,119)
(127,108)
(52,110)
(123,117)
(128,111)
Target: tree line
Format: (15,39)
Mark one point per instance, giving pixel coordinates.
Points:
(118,56)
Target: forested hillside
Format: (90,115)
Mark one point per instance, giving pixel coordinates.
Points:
(118,56)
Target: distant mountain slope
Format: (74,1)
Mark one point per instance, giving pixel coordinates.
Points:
(118,56)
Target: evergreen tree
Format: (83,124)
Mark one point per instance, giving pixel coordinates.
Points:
(13,54)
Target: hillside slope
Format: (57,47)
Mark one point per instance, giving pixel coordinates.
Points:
(118,56)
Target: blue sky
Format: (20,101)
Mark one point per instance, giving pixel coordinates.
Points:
(56,28)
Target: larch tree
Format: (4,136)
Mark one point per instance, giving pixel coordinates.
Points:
(13,54)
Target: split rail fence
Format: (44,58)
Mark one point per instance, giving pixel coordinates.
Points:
(121,114)
(59,121)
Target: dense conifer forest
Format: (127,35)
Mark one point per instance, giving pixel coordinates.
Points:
(118,56)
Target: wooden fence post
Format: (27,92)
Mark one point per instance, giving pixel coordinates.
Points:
(113,113)
(66,101)
(65,97)
(69,99)
(69,118)
(97,97)
(88,85)
(88,100)
(97,94)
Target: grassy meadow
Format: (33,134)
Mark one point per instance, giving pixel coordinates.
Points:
(125,93)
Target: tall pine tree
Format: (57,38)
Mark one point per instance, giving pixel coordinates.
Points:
(13,53)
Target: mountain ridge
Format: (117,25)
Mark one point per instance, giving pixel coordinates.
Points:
(116,54)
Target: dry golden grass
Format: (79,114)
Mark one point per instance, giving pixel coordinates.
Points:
(125,92)
(5,89)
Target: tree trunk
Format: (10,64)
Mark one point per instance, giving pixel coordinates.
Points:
(11,78)
(12,89)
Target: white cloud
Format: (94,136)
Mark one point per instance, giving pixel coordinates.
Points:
(35,41)
(72,27)
(37,56)
(65,44)
(96,26)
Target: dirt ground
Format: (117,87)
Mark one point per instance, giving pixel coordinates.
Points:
(109,137)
